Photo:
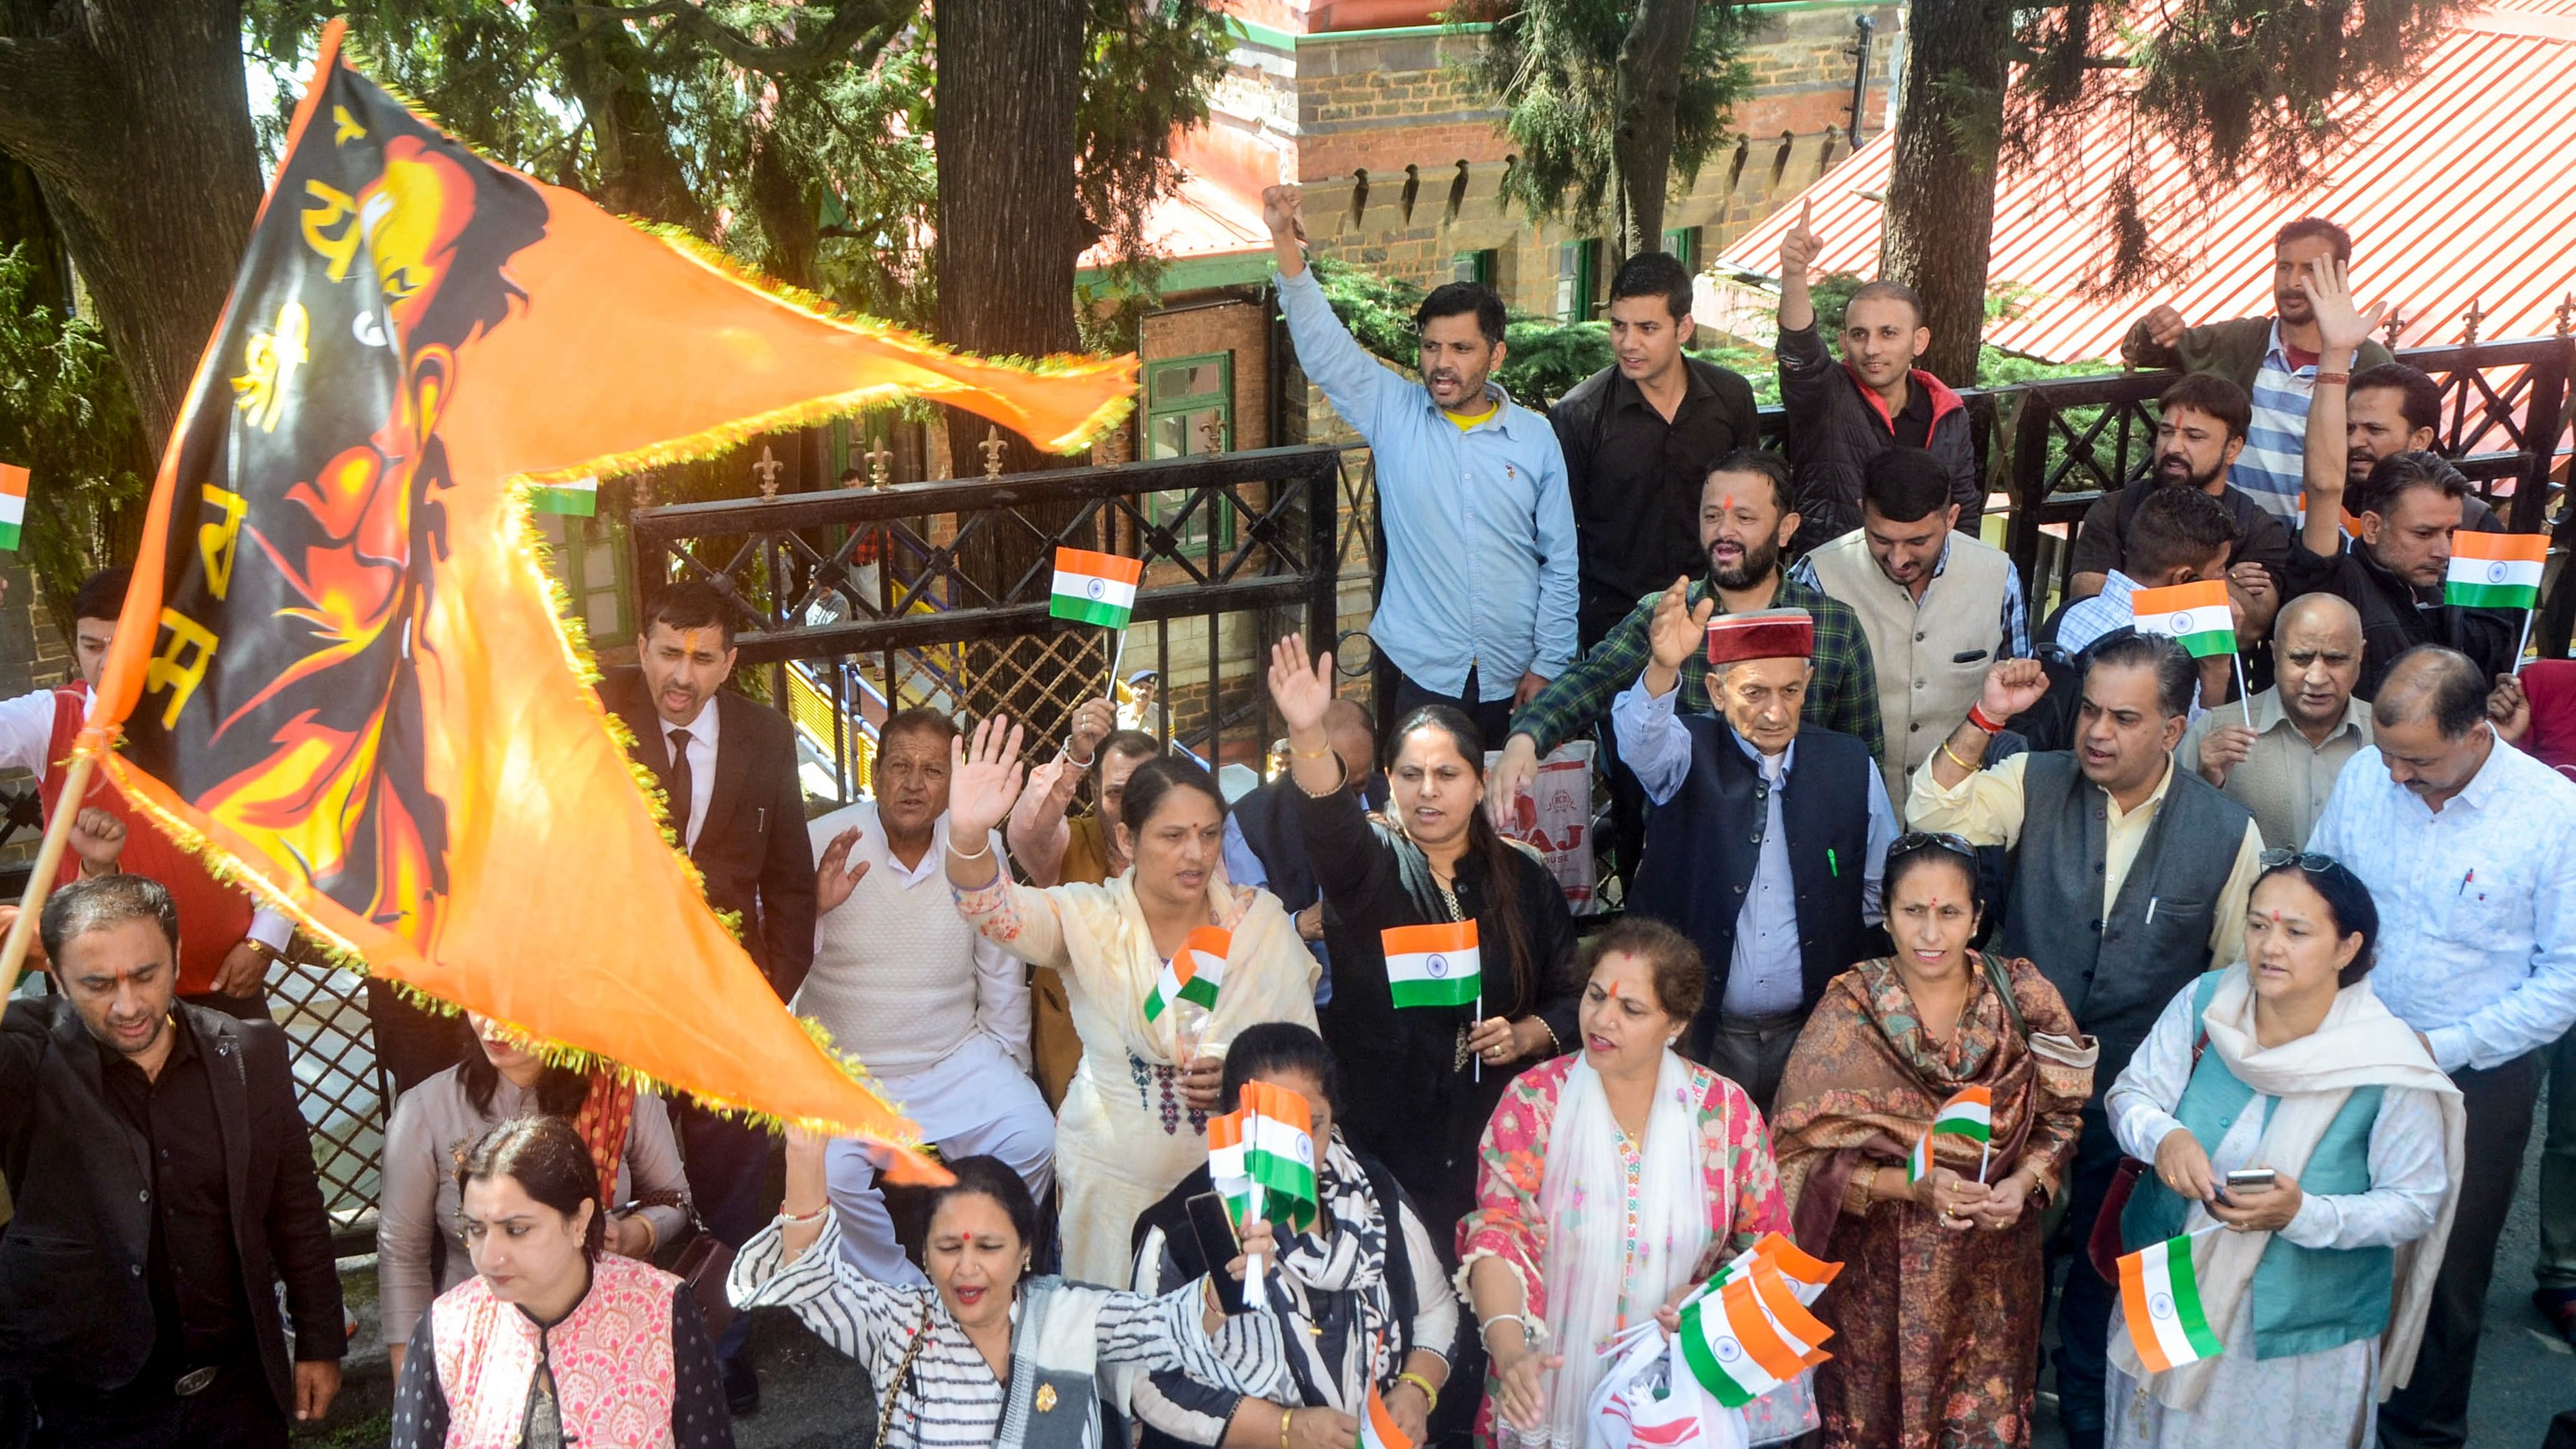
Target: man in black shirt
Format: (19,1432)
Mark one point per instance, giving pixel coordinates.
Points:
(1638,437)
(164,1186)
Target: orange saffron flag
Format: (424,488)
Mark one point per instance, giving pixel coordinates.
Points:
(339,674)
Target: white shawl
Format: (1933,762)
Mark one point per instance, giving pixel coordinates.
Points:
(1584,1245)
(2360,1043)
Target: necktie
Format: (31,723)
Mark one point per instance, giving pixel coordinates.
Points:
(680,784)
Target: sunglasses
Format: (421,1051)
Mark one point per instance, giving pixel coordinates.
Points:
(1914,840)
(2305,860)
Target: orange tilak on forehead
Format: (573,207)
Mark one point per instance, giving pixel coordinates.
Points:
(691,638)
(1727,502)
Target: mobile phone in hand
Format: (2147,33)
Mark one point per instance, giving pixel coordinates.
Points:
(1214,1229)
(2252,1179)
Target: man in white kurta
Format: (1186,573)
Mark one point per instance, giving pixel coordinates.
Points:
(939,1015)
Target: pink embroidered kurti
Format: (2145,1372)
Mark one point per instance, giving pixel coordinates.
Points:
(1741,1189)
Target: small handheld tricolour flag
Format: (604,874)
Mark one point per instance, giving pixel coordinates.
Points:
(2495,570)
(1378,1430)
(1279,1152)
(1094,588)
(13,504)
(1970,1113)
(2197,614)
(2161,1302)
(1750,1337)
(1193,974)
(1432,965)
(1805,1274)
(578,497)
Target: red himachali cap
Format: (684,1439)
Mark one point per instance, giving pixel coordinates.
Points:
(1762,634)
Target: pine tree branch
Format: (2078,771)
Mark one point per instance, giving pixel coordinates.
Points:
(851,23)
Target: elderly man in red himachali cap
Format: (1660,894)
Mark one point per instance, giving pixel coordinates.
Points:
(1767,840)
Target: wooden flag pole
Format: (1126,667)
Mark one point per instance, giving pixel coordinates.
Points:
(49,860)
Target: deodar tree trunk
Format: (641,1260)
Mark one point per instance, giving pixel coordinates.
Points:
(134,116)
(1941,191)
(1010,226)
(1649,91)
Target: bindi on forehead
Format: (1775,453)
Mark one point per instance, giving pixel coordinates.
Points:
(692,640)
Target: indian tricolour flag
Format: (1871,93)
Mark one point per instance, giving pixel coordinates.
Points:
(2197,614)
(1970,1113)
(1226,1172)
(1095,588)
(1750,1337)
(576,496)
(2495,570)
(1193,974)
(13,504)
(1432,965)
(1378,1430)
(2162,1304)
(1805,1274)
(1279,1152)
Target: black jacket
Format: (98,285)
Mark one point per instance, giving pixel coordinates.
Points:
(75,1298)
(752,848)
(1635,481)
(1836,425)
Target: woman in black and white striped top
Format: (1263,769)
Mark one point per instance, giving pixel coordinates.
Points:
(986,1355)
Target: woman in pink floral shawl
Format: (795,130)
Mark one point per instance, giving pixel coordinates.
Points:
(1611,1181)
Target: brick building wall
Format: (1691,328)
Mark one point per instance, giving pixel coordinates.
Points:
(1237,327)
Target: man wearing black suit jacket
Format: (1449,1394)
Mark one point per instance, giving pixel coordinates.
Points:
(728,772)
(164,1187)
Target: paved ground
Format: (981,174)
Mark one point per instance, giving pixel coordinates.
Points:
(813,1398)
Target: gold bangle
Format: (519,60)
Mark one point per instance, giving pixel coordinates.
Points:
(1285,1414)
(1430,1395)
(1954,759)
(1310,754)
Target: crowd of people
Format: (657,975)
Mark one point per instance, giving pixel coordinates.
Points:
(2279,958)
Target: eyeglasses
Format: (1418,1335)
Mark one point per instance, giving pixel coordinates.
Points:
(2305,860)
(1914,840)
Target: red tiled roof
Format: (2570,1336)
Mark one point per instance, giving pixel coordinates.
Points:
(1205,218)
(2458,191)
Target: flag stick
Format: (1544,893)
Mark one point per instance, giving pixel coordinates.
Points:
(2244,696)
(2526,638)
(1480,1017)
(49,860)
(1116,653)
(1986,1157)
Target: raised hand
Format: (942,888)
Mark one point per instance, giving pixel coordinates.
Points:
(1301,691)
(2341,327)
(1094,720)
(984,779)
(834,878)
(2164,324)
(1679,629)
(2012,686)
(1801,246)
(98,838)
(1283,211)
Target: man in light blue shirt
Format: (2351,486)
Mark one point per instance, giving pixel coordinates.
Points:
(1478,609)
(2468,846)
(1766,846)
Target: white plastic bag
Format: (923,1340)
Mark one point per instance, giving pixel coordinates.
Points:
(1555,819)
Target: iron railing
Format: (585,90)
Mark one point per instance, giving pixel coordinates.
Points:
(1262,541)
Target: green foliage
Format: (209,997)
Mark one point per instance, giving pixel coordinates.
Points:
(1547,358)
(65,415)
(796,136)
(1554,66)
(2269,89)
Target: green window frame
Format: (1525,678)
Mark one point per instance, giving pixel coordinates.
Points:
(1476,266)
(1578,274)
(590,558)
(1183,396)
(1682,245)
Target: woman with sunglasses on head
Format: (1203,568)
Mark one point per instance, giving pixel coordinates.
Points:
(2280,1100)
(1940,1297)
